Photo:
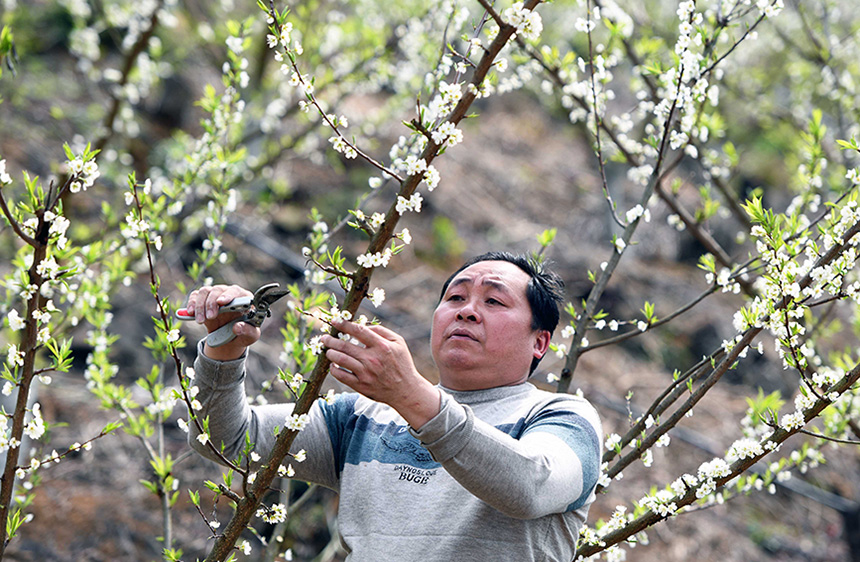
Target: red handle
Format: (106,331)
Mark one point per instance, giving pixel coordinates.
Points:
(183,314)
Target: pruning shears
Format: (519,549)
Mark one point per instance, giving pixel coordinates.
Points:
(254,310)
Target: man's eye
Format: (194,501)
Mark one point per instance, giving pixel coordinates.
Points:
(455,298)
(493,301)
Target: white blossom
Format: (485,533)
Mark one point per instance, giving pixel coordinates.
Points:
(411,204)
(377,296)
(14,357)
(48,268)
(275,514)
(647,458)
(415,165)
(376,259)
(634,213)
(297,422)
(527,22)
(4,176)
(743,449)
(432,177)
(15,321)
(314,345)
(612,441)
(35,428)
(792,421)
(716,468)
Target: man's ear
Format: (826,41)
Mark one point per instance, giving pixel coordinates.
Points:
(542,338)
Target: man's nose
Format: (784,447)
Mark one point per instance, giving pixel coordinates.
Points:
(468,312)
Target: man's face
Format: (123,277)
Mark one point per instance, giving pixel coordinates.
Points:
(482,335)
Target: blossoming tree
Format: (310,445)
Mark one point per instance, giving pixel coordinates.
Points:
(669,98)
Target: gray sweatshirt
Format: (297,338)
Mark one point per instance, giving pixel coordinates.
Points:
(505,473)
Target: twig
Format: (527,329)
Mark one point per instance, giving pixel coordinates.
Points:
(829,438)
(15,226)
(313,100)
(29,347)
(749,30)
(128,65)
(155,284)
(599,287)
(651,326)
(597,121)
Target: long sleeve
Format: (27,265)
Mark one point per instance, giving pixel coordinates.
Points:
(549,463)
(224,402)
(501,474)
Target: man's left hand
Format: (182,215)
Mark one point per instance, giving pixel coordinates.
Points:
(382,369)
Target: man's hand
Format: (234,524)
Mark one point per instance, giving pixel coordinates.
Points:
(204,303)
(382,369)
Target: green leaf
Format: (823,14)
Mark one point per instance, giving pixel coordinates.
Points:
(172,554)
(5,40)
(648,311)
(13,523)
(708,262)
(848,145)
(762,404)
(111,427)
(151,486)
(546,238)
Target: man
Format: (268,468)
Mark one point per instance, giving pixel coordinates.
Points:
(483,466)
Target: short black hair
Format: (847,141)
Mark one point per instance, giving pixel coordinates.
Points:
(545,289)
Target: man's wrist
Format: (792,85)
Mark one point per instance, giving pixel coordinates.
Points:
(226,352)
(423,406)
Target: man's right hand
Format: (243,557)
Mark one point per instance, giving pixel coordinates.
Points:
(204,304)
